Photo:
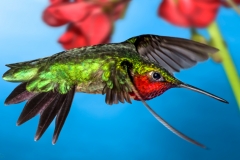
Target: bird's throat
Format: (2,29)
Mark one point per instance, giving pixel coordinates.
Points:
(149,89)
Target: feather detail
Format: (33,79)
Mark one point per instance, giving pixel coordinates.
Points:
(48,104)
(48,114)
(116,89)
(35,105)
(171,53)
(19,94)
(62,115)
(59,108)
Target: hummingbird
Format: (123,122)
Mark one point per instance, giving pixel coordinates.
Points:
(139,68)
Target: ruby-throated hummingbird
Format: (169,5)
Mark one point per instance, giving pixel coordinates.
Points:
(139,68)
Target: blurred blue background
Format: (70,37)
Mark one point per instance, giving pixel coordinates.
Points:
(94,130)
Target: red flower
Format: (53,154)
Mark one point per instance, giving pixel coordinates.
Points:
(90,22)
(87,32)
(189,13)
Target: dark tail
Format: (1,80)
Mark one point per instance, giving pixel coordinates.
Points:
(48,104)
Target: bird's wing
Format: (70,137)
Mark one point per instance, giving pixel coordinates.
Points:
(170,52)
(116,88)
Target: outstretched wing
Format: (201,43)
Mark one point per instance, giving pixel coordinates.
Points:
(170,52)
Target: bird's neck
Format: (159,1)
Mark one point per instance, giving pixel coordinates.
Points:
(148,89)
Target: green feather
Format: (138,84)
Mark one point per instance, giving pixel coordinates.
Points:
(20,74)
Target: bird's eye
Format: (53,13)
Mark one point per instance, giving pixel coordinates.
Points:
(156,76)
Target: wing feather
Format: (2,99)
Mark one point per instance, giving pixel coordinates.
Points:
(116,89)
(171,53)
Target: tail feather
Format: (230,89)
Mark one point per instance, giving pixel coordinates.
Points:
(19,94)
(62,115)
(59,108)
(48,114)
(48,104)
(35,105)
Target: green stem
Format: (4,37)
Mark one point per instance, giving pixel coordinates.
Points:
(227,62)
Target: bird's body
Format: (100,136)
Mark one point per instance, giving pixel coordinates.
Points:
(89,70)
(139,68)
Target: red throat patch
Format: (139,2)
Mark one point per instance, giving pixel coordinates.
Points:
(149,89)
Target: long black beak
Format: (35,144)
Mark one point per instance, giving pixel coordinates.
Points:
(201,91)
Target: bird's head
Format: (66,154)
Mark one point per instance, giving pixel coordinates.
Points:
(153,81)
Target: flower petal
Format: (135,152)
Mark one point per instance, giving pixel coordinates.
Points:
(168,10)
(119,9)
(96,27)
(58,1)
(56,15)
(204,13)
(72,38)
(189,13)
(51,17)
